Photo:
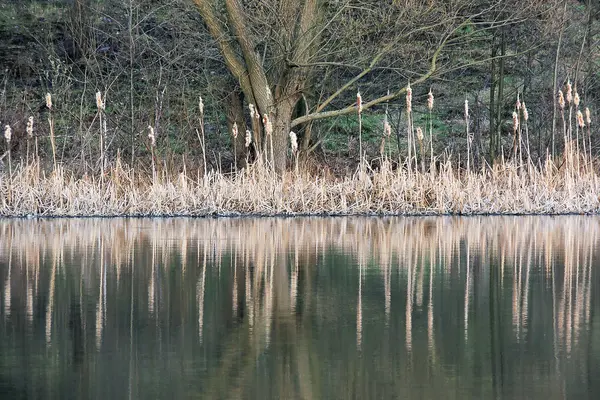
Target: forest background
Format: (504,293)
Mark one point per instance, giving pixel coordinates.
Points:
(299,62)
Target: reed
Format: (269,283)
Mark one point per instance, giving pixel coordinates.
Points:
(516,185)
(51,126)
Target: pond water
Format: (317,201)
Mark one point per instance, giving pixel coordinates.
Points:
(307,308)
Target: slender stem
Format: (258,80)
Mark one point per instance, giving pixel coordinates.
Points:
(52,140)
(360,151)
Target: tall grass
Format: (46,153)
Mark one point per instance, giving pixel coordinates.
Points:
(519,184)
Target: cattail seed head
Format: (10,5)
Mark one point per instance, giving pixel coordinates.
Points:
(201,105)
(387,129)
(294,142)
(408,99)
(151,136)
(515,118)
(234,130)
(248,138)
(252,110)
(561,100)
(588,116)
(569,92)
(7,133)
(430,100)
(99,102)
(518,104)
(580,121)
(359,106)
(49,101)
(268,125)
(525,112)
(29,128)
(576,99)
(420,134)
(466,109)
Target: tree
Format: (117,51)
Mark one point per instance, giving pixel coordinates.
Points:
(274,49)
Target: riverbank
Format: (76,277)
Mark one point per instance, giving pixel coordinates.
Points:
(121,191)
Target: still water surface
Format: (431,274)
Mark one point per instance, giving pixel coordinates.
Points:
(309,308)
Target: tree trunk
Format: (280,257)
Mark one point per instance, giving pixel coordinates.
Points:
(282,119)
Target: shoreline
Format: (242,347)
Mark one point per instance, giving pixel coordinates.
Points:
(234,215)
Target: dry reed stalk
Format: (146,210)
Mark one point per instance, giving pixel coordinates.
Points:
(421,148)
(100,106)
(29,130)
(294,148)
(8,137)
(255,120)
(525,119)
(152,138)
(387,133)
(410,126)
(269,133)
(359,108)
(234,134)
(430,102)
(51,124)
(201,137)
(469,140)
(561,105)
(519,107)
(588,120)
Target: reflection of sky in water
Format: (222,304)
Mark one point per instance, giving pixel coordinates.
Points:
(300,308)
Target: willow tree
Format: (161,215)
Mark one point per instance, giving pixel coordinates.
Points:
(279,50)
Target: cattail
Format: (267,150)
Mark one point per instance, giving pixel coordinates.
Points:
(588,116)
(430,100)
(466,109)
(7,133)
(359,105)
(49,101)
(151,136)
(387,129)
(268,125)
(518,104)
(420,134)
(99,102)
(580,121)
(525,112)
(576,99)
(201,105)
(569,92)
(408,99)
(294,142)
(234,130)
(252,110)
(561,100)
(515,118)
(29,128)
(248,138)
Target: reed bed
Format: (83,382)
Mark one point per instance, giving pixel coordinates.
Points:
(506,188)
(419,184)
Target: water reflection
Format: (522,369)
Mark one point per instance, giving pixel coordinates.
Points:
(309,308)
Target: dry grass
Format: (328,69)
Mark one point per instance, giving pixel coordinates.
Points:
(504,189)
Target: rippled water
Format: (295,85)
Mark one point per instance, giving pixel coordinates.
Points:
(311,308)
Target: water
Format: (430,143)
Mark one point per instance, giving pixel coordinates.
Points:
(310,308)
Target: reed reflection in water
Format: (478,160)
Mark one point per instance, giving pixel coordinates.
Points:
(494,307)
